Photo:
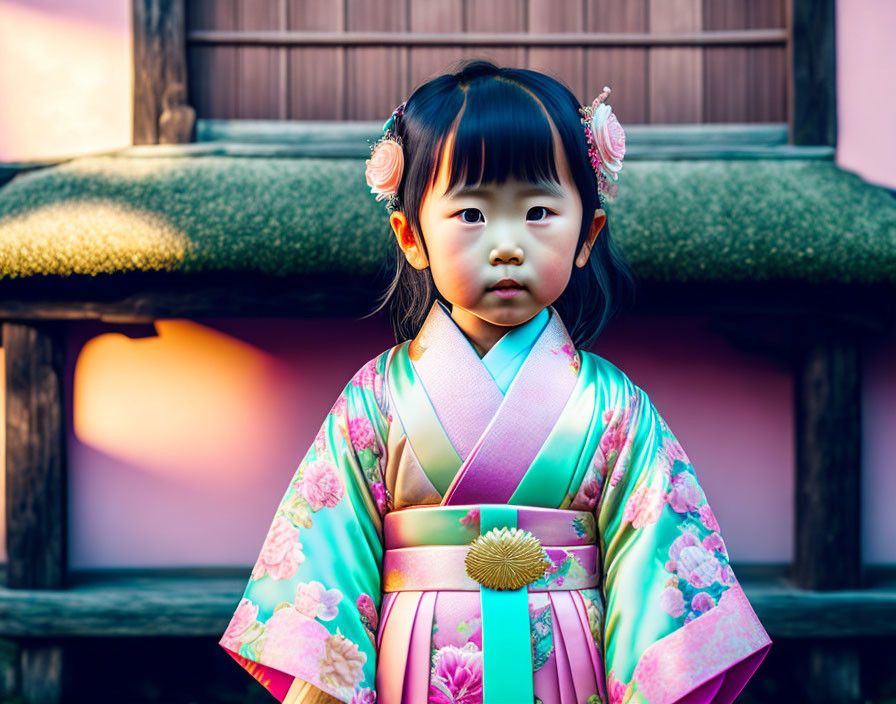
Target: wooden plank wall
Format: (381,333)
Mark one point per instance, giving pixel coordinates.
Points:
(253,60)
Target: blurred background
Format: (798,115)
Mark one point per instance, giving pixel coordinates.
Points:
(187,246)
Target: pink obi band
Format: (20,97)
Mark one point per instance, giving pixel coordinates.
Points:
(427,546)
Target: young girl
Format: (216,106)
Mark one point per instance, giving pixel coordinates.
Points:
(491,513)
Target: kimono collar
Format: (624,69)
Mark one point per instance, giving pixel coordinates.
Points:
(462,425)
(507,355)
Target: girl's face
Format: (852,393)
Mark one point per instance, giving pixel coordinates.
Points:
(499,253)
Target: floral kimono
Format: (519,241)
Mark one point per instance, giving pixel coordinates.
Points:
(521,527)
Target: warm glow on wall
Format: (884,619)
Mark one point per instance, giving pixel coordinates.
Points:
(180,444)
(175,404)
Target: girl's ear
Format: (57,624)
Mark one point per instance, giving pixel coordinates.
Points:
(600,217)
(412,248)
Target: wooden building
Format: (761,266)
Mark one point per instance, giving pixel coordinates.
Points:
(244,184)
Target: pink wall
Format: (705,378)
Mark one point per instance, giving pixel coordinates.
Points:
(181,446)
(879,451)
(733,414)
(866,101)
(66,81)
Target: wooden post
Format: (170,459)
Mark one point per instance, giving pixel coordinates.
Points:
(161,112)
(36,499)
(828,498)
(814,118)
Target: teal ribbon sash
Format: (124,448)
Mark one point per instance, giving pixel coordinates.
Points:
(506,639)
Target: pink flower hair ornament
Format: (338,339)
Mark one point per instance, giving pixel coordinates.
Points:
(386,163)
(603,134)
(606,144)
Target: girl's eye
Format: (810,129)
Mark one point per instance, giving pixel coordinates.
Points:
(469,210)
(538,208)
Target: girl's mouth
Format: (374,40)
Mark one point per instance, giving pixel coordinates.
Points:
(508,292)
(506,288)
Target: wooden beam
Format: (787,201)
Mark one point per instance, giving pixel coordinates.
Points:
(36,516)
(114,603)
(35,456)
(828,463)
(742,37)
(162,114)
(142,297)
(827,406)
(765,312)
(814,72)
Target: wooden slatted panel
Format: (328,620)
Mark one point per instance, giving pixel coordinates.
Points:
(497,16)
(376,76)
(425,63)
(675,74)
(743,82)
(566,64)
(767,66)
(622,68)
(213,69)
(316,74)
(726,78)
(259,68)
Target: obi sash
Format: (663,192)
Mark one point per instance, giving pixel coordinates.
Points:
(426,546)
(464,428)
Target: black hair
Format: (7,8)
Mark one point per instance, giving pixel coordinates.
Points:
(501,129)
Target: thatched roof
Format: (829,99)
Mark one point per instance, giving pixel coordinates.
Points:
(748,216)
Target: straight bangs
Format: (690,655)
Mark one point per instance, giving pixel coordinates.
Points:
(493,143)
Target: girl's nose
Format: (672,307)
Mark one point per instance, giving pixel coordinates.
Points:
(506,254)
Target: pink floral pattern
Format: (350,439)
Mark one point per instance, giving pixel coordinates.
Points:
(616,441)
(673,449)
(246,615)
(588,493)
(616,690)
(384,168)
(281,553)
(470,518)
(361,433)
(369,377)
(381,497)
(367,610)
(693,562)
(702,602)
(570,352)
(456,676)
(672,601)
(320,485)
(342,663)
(286,628)
(609,139)
(364,695)
(320,441)
(685,494)
(314,600)
(340,407)
(708,518)
(644,506)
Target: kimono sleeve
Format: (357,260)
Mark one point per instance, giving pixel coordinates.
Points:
(310,610)
(677,626)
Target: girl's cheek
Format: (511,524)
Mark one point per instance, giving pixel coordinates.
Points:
(553,273)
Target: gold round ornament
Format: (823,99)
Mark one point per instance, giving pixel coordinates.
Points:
(506,558)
